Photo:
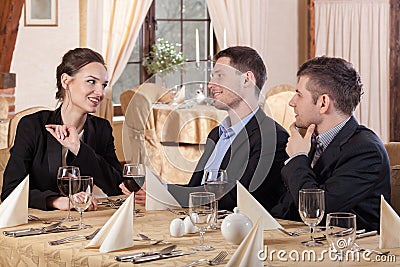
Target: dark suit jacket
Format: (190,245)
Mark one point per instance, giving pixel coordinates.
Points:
(37,153)
(354,171)
(255,157)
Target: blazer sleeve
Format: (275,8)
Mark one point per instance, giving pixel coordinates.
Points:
(100,162)
(20,164)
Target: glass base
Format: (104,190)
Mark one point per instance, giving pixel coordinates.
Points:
(81,226)
(203,248)
(137,214)
(69,218)
(311,243)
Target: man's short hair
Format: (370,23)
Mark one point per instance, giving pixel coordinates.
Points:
(335,77)
(244,59)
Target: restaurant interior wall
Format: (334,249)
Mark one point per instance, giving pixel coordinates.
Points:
(39,49)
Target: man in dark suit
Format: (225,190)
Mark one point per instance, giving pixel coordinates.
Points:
(336,154)
(249,145)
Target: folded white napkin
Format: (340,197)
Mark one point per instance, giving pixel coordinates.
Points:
(247,252)
(14,209)
(390,226)
(157,195)
(253,209)
(117,233)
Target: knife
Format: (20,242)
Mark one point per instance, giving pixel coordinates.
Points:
(160,257)
(130,257)
(26,231)
(360,234)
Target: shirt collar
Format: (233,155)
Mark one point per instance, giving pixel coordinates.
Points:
(226,130)
(326,138)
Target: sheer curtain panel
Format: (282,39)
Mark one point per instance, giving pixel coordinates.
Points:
(358,31)
(112,28)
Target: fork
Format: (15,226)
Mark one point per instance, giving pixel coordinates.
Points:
(215,261)
(294,233)
(356,247)
(34,218)
(70,238)
(152,240)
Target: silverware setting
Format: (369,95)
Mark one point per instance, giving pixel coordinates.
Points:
(32,231)
(359,234)
(35,218)
(70,238)
(160,257)
(131,257)
(54,228)
(178,212)
(215,261)
(299,231)
(152,240)
(356,247)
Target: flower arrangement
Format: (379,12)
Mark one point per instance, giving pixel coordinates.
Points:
(162,57)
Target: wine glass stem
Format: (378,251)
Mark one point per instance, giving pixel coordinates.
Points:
(312,229)
(216,213)
(80,219)
(202,237)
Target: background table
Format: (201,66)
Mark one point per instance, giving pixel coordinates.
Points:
(182,131)
(35,251)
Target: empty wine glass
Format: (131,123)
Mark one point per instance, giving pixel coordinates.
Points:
(81,195)
(133,177)
(63,178)
(201,214)
(311,209)
(216,181)
(340,231)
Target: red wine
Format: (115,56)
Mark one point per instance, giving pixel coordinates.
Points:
(134,182)
(63,185)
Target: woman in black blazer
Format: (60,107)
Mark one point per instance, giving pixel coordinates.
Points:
(69,135)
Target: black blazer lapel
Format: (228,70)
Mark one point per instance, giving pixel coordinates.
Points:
(334,148)
(89,127)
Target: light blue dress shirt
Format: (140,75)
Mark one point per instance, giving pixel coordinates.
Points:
(227,135)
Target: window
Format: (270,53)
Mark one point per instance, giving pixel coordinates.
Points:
(176,21)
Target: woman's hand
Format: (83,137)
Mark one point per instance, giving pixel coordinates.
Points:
(66,135)
(62,203)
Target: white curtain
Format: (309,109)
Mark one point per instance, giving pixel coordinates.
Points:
(112,28)
(244,22)
(358,31)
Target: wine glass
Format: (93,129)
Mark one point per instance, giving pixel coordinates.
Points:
(133,177)
(201,214)
(216,181)
(81,195)
(340,231)
(311,209)
(63,178)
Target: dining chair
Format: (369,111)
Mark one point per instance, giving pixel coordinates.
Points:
(12,128)
(3,107)
(125,97)
(277,106)
(280,88)
(140,141)
(393,150)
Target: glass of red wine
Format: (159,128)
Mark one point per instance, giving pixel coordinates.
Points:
(134,176)
(64,175)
